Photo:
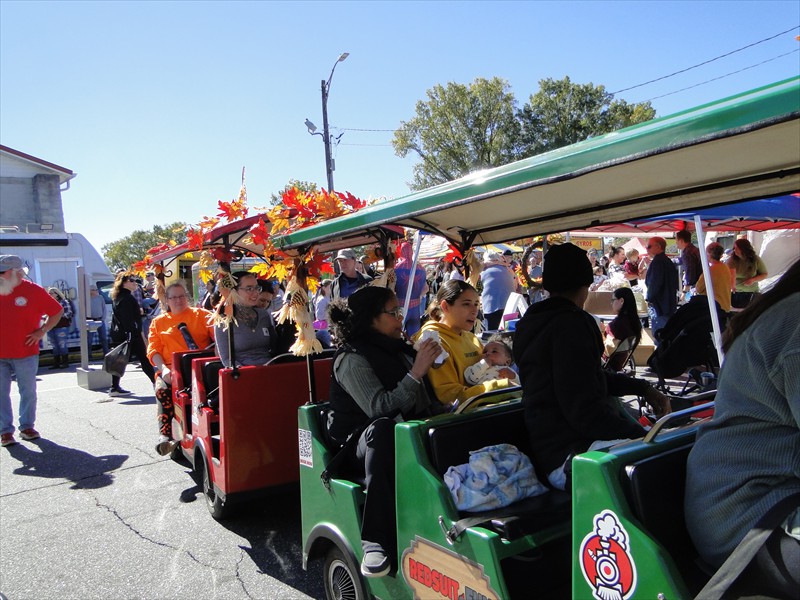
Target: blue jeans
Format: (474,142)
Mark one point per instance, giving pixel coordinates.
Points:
(412,320)
(58,339)
(25,370)
(102,334)
(656,322)
(324,337)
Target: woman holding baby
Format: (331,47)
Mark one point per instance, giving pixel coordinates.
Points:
(455,311)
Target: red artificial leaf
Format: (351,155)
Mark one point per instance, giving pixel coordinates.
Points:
(352,201)
(316,265)
(159,248)
(453,254)
(260,233)
(194,238)
(298,200)
(222,255)
(141,266)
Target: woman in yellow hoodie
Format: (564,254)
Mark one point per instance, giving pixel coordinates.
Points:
(455,310)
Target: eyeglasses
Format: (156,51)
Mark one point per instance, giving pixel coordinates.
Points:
(649,246)
(251,288)
(181,297)
(396,312)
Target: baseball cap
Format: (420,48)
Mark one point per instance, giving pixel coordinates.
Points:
(346,253)
(9,261)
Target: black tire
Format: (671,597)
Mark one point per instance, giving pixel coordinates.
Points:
(342,578)
(215,505)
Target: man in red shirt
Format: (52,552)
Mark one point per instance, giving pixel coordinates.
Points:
(23,307)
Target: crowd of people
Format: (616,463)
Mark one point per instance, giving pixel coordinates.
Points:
(394,362)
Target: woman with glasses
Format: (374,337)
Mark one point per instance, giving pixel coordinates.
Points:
(377,379)
(456,310)
(181,328)
(126,324)
(252,327)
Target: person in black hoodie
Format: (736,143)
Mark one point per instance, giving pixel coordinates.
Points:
(377,380)
(570,401)
(126,324)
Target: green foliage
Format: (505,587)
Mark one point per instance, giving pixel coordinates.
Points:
(562,113)
(460,129)
(131,249)
(305,186)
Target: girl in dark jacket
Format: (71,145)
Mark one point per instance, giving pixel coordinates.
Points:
(126,324)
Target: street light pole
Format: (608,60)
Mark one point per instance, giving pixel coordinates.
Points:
(326,134)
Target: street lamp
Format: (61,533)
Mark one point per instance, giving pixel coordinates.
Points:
(330,165)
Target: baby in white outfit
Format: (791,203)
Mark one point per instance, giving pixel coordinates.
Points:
(495,364)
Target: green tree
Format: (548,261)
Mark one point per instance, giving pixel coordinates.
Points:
(563,112)
(132,248)
(460,129)
(305,186)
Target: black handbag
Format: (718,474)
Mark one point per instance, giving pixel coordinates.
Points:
(117,359)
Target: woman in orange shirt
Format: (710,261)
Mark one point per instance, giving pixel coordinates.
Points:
(181,328)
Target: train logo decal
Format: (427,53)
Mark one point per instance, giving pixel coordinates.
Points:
(606,559)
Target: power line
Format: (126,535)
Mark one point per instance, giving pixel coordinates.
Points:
(345,144)
(353,129)
(722,76)
(633,87)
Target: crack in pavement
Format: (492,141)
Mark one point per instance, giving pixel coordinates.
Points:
(242,554)
(152,541)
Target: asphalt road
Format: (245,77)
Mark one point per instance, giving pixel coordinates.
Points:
(92,511)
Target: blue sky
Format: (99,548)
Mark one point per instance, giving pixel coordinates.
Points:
(157,106)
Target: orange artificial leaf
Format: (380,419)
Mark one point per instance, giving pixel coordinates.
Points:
(208,222)
(328,207)
(194,239)
(206,260)
(232,211)
(279,219)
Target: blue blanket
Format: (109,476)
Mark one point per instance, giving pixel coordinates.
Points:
(495,476)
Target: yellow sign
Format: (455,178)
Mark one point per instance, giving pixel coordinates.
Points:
(432,571)
(588,243)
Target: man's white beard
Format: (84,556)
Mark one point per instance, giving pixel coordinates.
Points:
(7,285)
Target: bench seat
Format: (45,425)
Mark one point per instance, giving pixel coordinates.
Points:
(450,443)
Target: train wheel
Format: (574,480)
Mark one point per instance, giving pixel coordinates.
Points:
(342,579)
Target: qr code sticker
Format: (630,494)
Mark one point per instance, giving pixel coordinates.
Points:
(306,456)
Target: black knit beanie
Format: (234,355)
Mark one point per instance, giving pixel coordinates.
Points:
(566,268)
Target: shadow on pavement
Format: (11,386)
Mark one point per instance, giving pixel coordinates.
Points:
(54,461)
(272,528)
